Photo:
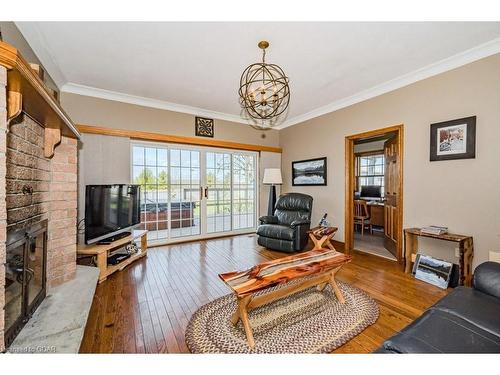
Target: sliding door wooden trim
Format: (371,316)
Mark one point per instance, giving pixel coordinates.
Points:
(350,183)
(148,136)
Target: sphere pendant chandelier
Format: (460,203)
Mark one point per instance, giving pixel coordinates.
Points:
(264,91)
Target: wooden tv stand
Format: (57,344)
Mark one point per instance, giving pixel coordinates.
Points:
(101,253)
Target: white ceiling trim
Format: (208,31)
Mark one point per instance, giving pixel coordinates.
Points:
(484,50)
(95,92)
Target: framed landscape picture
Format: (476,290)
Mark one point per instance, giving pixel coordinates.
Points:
(309,172)
(454,139)
(433,271)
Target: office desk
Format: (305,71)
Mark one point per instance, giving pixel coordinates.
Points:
(376,211)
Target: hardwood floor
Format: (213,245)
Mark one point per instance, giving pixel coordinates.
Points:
(146,307)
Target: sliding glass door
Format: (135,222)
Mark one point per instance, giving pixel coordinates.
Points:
(150,171)
(194,192)
(244,191)
(218,191)
(184,187)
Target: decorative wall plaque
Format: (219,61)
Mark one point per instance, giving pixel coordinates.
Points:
(204,127)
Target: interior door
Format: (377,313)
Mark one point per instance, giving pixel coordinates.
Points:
(392,164)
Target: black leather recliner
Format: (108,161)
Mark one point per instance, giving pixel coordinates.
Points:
(287,229)
(465,321)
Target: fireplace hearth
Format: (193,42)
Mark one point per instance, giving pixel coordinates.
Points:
(25,276)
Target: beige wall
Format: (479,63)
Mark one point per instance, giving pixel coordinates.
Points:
(106,159)
(94,111)
(102,159)
(267,160)
(461,194)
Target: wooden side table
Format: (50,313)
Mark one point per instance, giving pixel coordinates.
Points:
(321,236)
(101,253)
(466,249)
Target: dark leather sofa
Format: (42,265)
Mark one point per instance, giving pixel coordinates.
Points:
(465,321)
(287,229)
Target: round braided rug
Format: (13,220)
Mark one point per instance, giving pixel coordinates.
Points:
(306,322)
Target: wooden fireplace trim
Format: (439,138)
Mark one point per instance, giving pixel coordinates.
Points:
(27,93)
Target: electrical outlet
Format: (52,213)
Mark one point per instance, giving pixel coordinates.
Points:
(457,252)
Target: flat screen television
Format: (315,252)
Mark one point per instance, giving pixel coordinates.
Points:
(110,210)
(371,191)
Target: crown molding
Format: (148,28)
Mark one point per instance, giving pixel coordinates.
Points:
(463,58)
(95,92)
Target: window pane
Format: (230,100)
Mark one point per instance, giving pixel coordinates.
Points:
(151,156)
(195,159)
(185,176)
(175,193)
(162,173)
(137,173)
(195,176)
(175,157)
(162,157)
(185,158)
(138,155)
(175,175)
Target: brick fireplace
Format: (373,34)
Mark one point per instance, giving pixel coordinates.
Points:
(34,188)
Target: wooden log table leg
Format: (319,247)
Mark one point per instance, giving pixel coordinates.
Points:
(336,289)
(243,315)
(236,316)
(465,263)
(316,242)
(330,245)
(410,248)
(320,243)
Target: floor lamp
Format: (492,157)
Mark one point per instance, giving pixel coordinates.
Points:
(272,176)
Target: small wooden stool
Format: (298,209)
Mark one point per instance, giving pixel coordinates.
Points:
(321,236)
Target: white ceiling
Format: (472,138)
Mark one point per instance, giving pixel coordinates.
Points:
(195,67)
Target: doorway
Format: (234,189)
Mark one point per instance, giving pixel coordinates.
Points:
(374,192)
(192,192)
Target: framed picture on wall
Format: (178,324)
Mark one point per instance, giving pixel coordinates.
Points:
(309,172)
(455,139)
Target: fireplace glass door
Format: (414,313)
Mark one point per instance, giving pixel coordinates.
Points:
(14,274)
(35,267)
(25,276)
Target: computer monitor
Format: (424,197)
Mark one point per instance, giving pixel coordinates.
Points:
(371,191)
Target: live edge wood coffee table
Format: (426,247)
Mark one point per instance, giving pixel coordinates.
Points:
(324,263)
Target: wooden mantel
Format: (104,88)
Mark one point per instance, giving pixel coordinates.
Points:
(27,93)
